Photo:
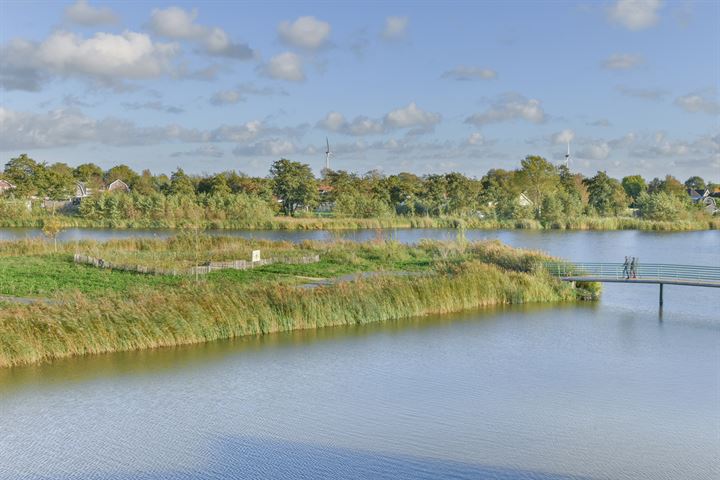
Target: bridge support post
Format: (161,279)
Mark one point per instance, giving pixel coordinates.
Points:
(661,294)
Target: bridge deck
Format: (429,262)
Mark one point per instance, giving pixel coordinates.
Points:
(655,281)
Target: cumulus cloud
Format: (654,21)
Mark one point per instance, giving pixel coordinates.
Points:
(643,93)
(82,13)
(65,127)
(305,32)
(285,66)
(510,107)
(563,137)
(105,57)
(464,73)
(411,116)
(635,14)
(622,61)
(395,28)
(179,24)
(594,151)
(703,101)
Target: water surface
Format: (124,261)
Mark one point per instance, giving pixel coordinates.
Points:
(609,390)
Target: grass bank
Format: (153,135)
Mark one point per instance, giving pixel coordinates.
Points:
(102,311)
(338,223)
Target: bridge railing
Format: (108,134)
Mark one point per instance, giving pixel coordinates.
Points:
(655,271)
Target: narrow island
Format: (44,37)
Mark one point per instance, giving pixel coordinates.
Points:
(78,298)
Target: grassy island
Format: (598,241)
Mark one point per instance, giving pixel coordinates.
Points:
(54,308)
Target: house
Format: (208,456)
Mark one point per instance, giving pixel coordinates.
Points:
(5,186)
(704,198)
(524,200)
(118,186)
(325,205)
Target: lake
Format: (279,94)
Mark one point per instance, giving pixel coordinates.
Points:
(613,390)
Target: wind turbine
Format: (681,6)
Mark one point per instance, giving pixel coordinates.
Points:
(567,156)
(328,154)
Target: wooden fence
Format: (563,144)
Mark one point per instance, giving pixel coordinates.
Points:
(201,270)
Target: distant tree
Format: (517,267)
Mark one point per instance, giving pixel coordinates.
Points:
(219,185)
(606,195)
(145,184)
(696,183)
(634,185)
(538,178)
(403,190)
(181,183)
(294,185)
(57,182)
(121,172)
(434,195)
(462,193)
(661,206)
(51,229)
(25,173)
(89,173)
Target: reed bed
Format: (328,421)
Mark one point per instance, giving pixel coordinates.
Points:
(393,221)
(449,277)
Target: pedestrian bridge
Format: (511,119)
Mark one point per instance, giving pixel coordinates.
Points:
(654,273)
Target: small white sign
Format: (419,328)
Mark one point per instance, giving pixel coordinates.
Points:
(256,255)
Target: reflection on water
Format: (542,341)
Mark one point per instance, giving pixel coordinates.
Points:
(607,390)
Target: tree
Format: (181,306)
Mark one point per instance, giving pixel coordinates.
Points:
(51,228)
(121,172)
(294,185)
(660,206)
(538,178)
(606,195)
(696,183)
(634,185)
(181,184)
(89,173)
(145,184)
(24,173)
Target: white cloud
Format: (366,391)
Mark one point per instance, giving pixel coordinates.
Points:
(463,72)
(622,61)
(410,116)
(305,32)
(179,24)
(153,105)
(635,14)
(601,122)
(510,107)
(65,127)
(563,137)
(81,12)
(476,138)
(594,151)
(395,28)
(703,101)
(105,57)
(285,66)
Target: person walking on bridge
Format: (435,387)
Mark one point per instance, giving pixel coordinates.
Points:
(632,268)
(626,268)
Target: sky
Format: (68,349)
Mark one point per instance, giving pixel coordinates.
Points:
(426,87)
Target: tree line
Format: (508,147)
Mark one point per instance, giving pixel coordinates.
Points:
(536,190)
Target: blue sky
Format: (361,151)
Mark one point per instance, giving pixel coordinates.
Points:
(415,86)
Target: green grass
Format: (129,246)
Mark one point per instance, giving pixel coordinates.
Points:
(51,275)
(102,311)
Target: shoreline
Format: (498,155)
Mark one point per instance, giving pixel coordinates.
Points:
(313,224)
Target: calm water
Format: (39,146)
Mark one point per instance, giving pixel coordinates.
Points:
(611,390)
